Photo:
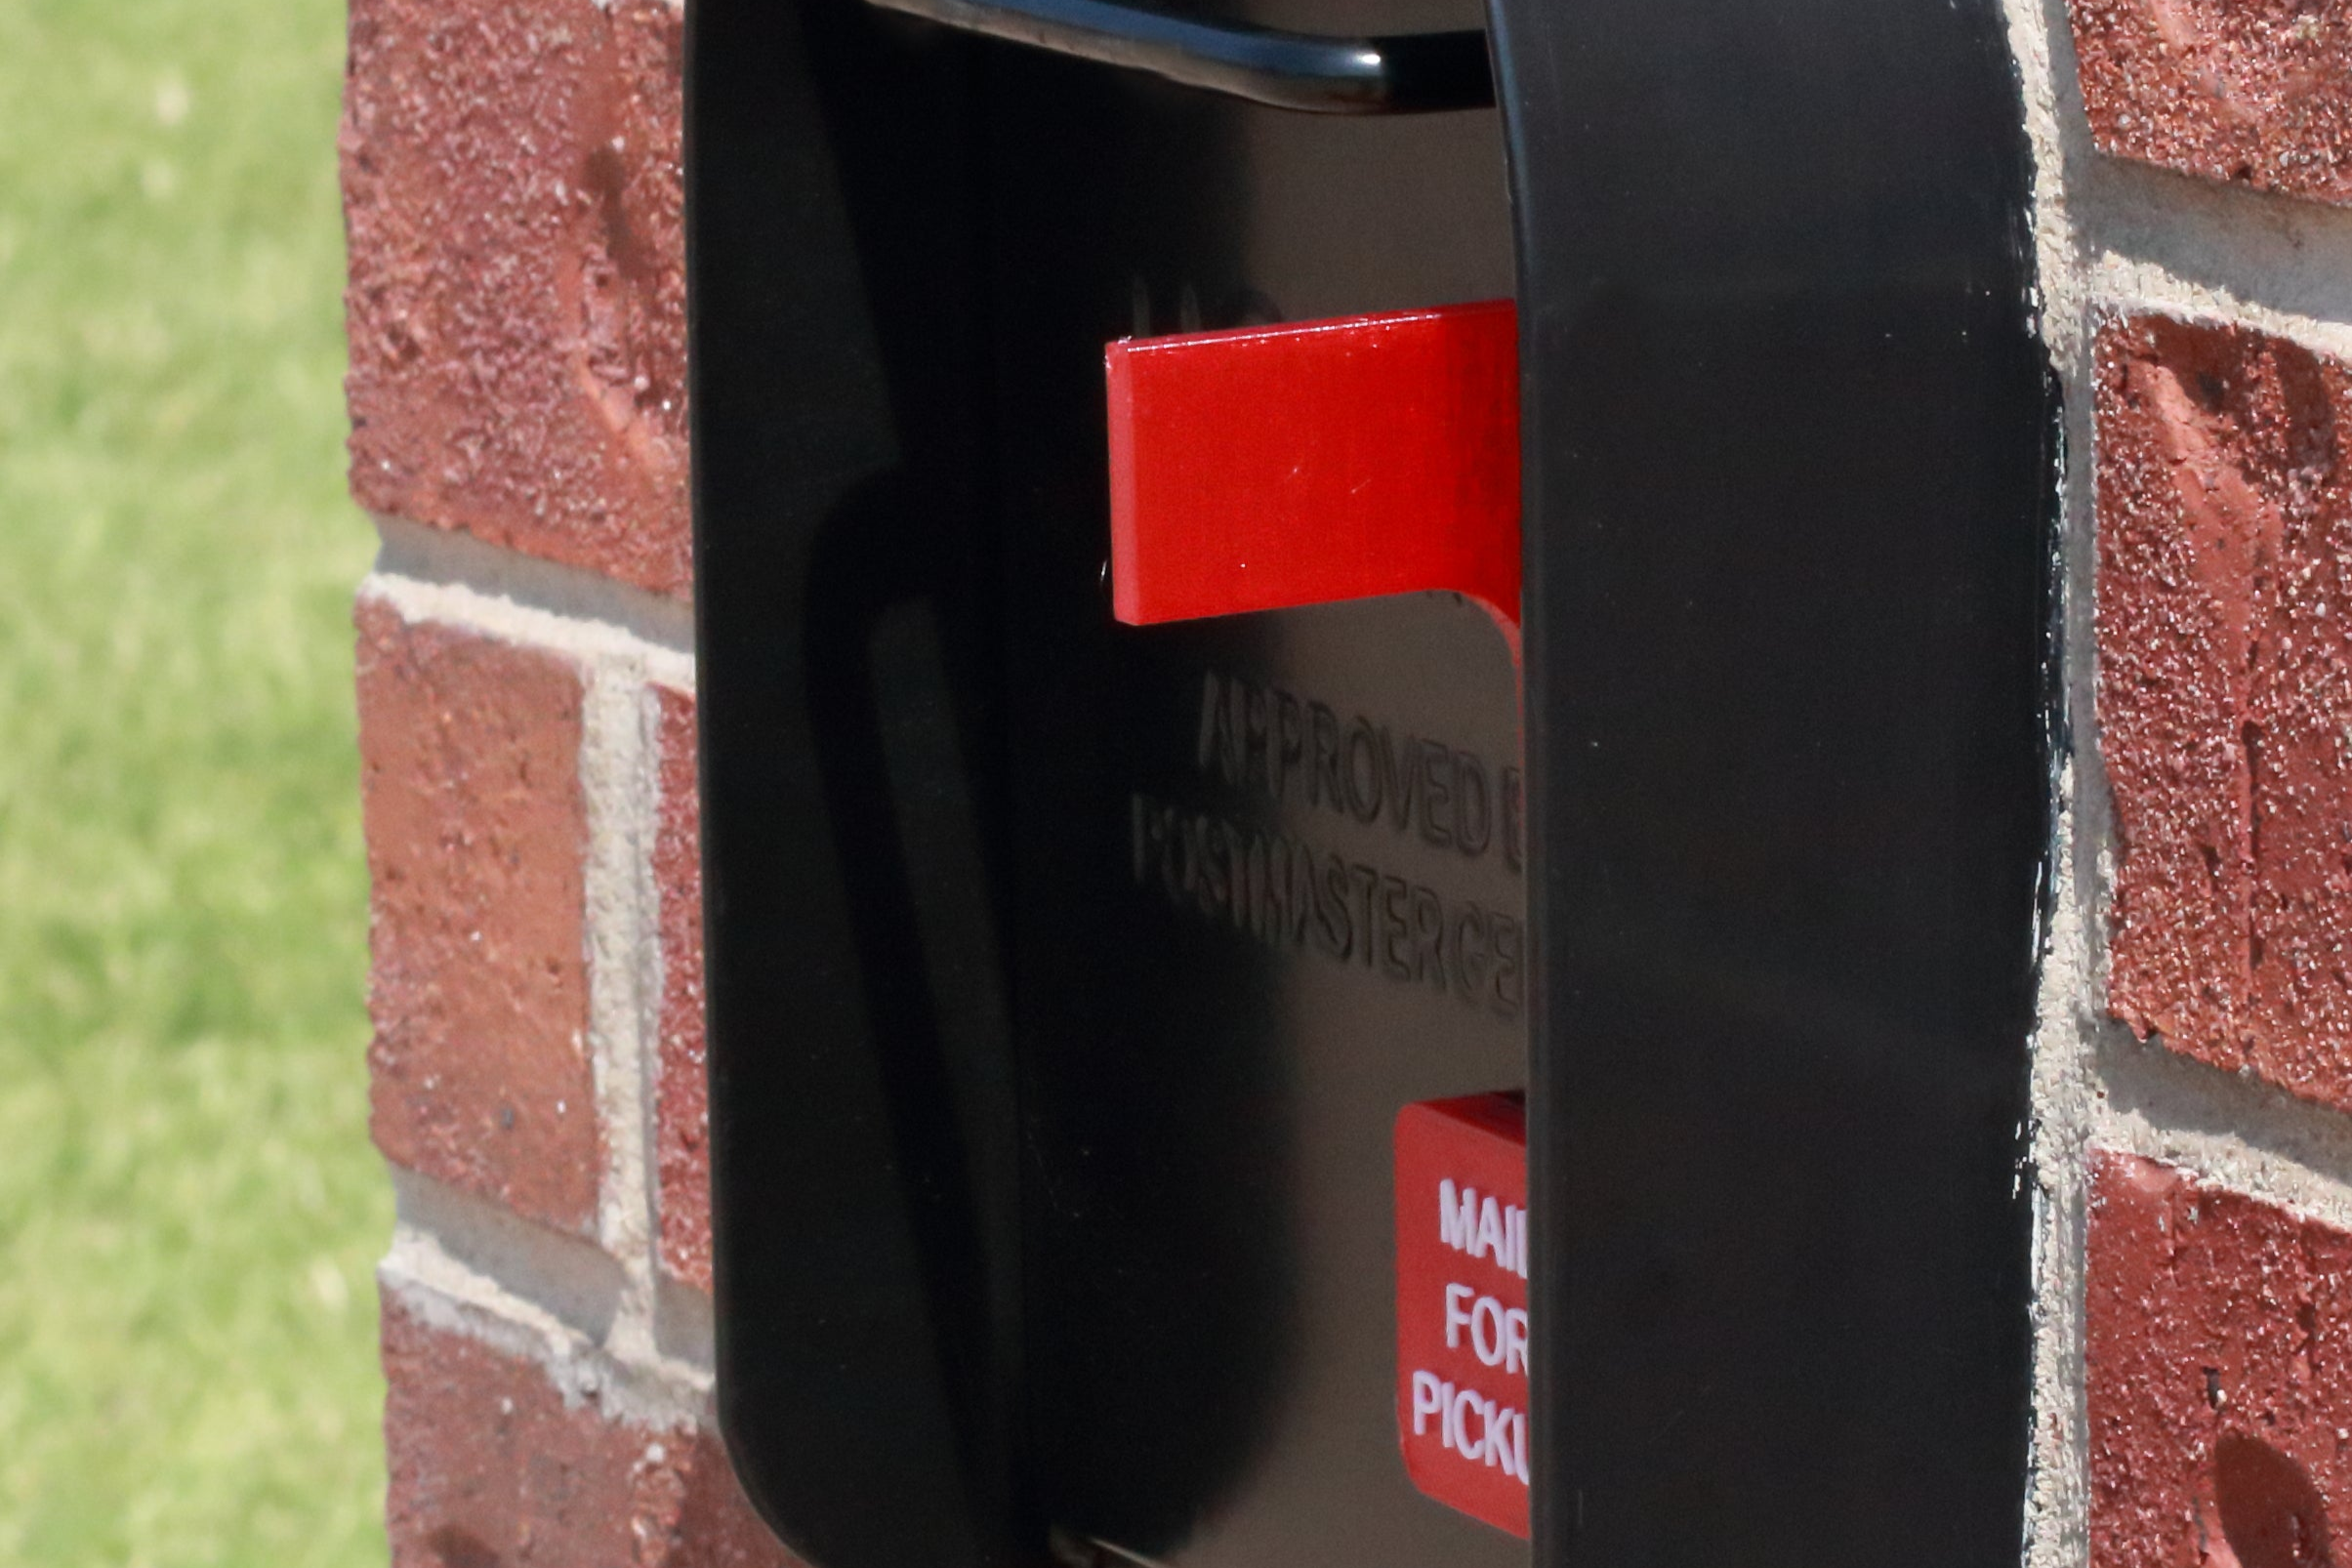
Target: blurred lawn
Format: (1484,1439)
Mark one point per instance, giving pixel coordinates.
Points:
(189,1206)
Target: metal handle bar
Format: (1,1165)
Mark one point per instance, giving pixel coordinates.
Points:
(1409,74)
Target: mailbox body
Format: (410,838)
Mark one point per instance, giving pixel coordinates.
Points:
(1054,1199)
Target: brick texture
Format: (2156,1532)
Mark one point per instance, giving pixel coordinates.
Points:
(512,189)
(2219,1359)
(681,1097)
(2225,696)
(476,830)
(2249,91)
(490,1466)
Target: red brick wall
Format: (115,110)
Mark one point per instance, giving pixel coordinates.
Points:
(2195,1071)
(2219,1346)
(526,694)
(513,194)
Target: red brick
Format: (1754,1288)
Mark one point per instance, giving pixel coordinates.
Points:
(490,1466)
(681,1097)
(513,194)
(2249,91)
(476,834)
(2225,696)
(2218,1359)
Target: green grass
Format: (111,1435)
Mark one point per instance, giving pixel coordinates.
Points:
(189,1206)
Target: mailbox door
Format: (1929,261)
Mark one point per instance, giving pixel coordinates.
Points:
(1208,1069)
(1034,1118)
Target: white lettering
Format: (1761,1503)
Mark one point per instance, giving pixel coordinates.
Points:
(1466,1400)
(1457,1314)
(1488,1345)
(1457,1218)
(1491,1242)
(1428,1400)
(1498,1435)
(1498,1333)
(1482,1227)
(1502,1442)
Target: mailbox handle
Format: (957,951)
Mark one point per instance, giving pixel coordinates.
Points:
(1408,73)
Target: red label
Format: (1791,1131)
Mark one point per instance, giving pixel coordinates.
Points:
(1461,1305)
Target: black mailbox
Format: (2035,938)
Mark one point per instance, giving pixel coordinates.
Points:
(1056,1134)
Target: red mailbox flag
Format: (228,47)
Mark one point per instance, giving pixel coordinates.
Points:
(1273,467)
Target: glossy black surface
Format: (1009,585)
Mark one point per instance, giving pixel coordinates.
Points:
(1410,73)
(1053,1201)
(1050,1205)
(1209,1329)
(860,1110)
(1789,472)
(1209,1087)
